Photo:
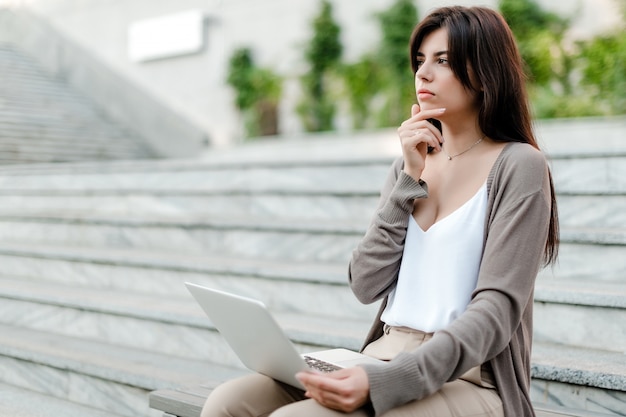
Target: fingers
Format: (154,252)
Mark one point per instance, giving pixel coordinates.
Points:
(412,133)
(416,135)
(415,109)
(344,390)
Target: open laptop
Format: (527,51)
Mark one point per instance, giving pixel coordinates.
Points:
(260,343)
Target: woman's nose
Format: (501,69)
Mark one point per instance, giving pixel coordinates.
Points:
(423,72)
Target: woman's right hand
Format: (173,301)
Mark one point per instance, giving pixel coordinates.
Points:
(416,135)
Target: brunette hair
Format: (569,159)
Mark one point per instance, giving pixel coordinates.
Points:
(479,38)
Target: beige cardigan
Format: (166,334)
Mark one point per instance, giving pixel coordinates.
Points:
(497,325)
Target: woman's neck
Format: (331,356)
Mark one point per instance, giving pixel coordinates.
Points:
(460,135)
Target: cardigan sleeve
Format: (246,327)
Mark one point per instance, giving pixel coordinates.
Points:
(375,262)
(516,232)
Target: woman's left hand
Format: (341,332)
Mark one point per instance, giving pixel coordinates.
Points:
(343,390)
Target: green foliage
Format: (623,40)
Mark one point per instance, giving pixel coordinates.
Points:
(547,104)
(604,70)
(362,80)
(325,49)
(323,54)
(566,82)
(396,24)
(257,90)
(539,35)
(526,18)
(240,78)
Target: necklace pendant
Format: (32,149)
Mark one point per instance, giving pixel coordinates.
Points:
(449,158)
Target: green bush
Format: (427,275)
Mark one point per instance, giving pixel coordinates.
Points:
(323,54)
(396,25)
(258,92)
(603,61)
(380,86)
(585,79)
(362,81)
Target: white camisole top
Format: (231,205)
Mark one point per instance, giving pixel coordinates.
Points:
(439,268)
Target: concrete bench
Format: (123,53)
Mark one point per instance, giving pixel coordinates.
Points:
(188,401)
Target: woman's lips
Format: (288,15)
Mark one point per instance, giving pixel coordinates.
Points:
(425,95)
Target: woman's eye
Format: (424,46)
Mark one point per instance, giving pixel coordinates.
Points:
(419,63)
(443,61)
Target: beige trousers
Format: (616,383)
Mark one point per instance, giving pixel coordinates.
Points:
(259,396)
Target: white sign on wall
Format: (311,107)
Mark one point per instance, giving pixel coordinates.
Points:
(166,36)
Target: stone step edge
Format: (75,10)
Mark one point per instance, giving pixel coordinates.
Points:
(182,165)
(549,289)
(317,273)
(581,292)
(260,223)
(183,311)
(581,366)
(601,293)
(210,163)
(122,365)
(575,235)
(586,367)
(302,329)
(23,402)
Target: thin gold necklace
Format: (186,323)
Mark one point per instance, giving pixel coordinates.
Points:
(461,153)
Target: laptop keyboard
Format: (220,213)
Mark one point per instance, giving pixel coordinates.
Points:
(320,365)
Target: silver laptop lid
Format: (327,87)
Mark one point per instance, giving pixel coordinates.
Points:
(252,333)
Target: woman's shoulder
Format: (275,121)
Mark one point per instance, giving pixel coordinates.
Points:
(519,151)
(522,156)
(520,164)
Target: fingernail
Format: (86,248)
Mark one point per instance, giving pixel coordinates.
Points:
(442,111)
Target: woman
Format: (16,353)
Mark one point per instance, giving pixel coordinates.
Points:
(465,219)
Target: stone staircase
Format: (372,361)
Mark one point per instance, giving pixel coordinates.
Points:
(93,257)
(43,120)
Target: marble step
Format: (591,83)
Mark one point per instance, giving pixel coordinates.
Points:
(589,316)
(312,287)
(335,177)
(584,313)
(20,402)
(603,175)
(188,204)
(584,379)
(592,210)
(168,324)
(592,175)
(604,211)
(295,240)
(584,251)
(132,269)
(592,379)
(106,377)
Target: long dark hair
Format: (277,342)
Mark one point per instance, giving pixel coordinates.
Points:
(480,38)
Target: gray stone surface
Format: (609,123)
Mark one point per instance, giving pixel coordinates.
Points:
(15,402)
(44,120)
(98,254)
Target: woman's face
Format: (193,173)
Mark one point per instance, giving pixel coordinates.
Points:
(435,83)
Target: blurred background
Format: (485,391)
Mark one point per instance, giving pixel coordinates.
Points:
(242,145)
(240,69)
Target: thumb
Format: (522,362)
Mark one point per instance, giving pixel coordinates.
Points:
(415,109)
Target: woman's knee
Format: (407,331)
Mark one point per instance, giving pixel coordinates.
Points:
(249,396)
